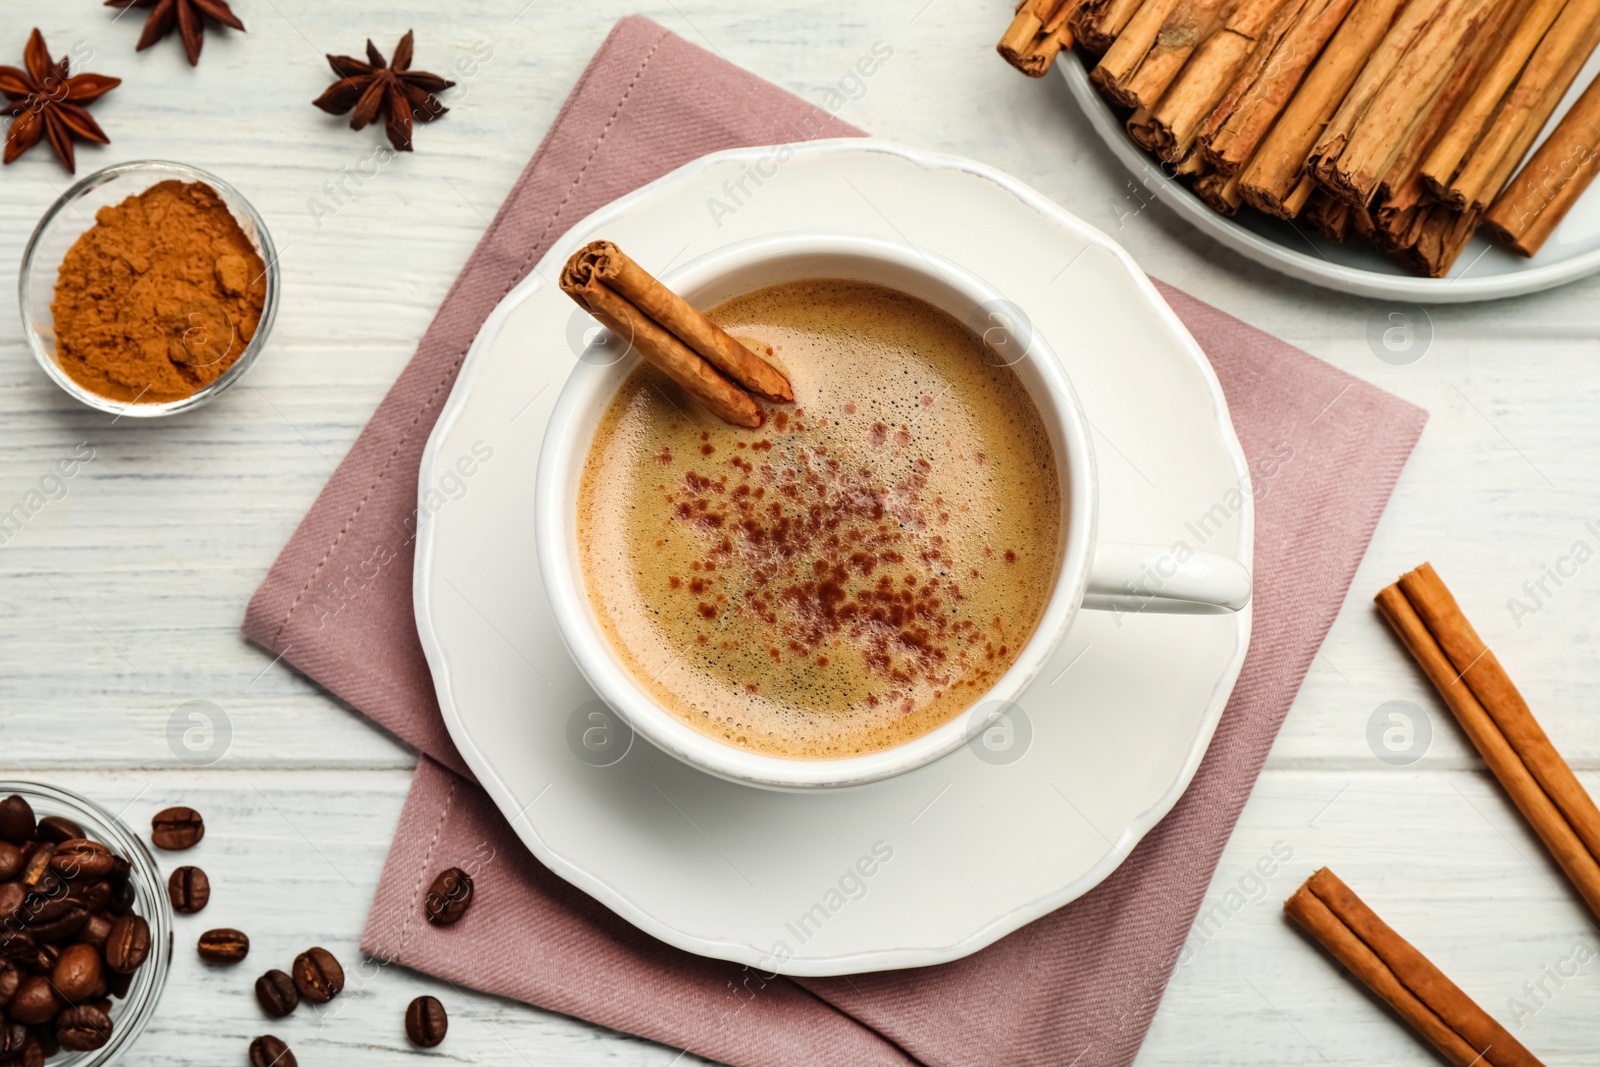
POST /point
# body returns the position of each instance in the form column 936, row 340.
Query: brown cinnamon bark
column 1492, row 1041
column 1232, row 146
column 1445, row 157
column 1552, row 828
column 1142, row 63
column 1205, row 81
column 1272, row 180
column 1037, row 34
column 1220, row 192
column 1551, row 70
column 1097, row 23
column 1539, row 197
column 1328, row 215
column 1312, row 915
column 1400, row 104
column 598, row 275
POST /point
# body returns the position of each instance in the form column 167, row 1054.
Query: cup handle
column 1132, row 578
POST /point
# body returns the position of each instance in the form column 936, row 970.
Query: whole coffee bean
column 12, row 896
column 268, row 1051
column 77, row 973
column 16, row 820
column 96, row 896
column 13, row 1038
column 223, row 946
column 33, row 1053
column 128, row 944
column 43, row 960
column 80, row 858
column 35, row 875
column 95, row 932
column 189, row 890
column 10, row 861
column 176, row 829
column 84, row 1028
column 317, row 975
column 65, row 926
column 449, row 897
column 56, row 829
column 35, row 1002
column 426, row 1022
column 10, row 979
column 276, row 994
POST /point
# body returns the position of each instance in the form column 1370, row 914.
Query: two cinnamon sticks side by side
column 723, row 375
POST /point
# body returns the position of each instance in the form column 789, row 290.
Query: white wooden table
column 122, row 601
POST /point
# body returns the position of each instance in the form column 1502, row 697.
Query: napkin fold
column 1078, row 986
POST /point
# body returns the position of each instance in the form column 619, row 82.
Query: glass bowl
column 73, row 214
column 130, row 1014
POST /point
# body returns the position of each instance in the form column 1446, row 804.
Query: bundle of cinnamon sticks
column 1499, row 724
column 1398, row 121
column 1402, row 977
column 721, row 374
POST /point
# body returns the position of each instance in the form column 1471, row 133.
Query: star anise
column 390, row 90
column 44, row 102
column 187, row 15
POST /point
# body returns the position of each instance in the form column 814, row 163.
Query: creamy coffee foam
column 851, row 575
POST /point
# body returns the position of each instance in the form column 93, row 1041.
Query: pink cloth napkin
column 1076, row 987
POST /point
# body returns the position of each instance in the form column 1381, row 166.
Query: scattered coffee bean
column 128, row 944
column 426, row 1022
column 35, row 1002
column 10, row 861
column 223, row 946
column 268, row 1051
column 16, row 821
column 449, row 897
column 189, row 890
column 56, row 829
column 176, row 829
column 78, row 973
column 77, row 858
column 276, row 994
column 84, row 1028
column 317, row 975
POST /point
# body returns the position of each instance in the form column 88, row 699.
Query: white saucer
column 1484, row 271
column 964, row 851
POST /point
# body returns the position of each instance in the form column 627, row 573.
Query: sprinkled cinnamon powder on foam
column 159, row 297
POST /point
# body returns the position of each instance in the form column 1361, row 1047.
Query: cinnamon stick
column 1220, row 192
column 1037, row 34
column 1514, row 776
column 661, row 326
column 1553, row 68
column 1406, row 979
column 1489, row 682
column 1212, row 71
column 1398, row 106
column 604, row 263
column 1445, row 157
column 1539, row 197
column 1097, row 23
column 1142, row 63
column 1232, row 146
column 1272, row 180
column 1328, row 215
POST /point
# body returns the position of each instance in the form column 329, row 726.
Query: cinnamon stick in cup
column 1402, row 977
column 679, row 339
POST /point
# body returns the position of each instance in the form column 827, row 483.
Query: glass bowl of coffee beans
column 85, row 930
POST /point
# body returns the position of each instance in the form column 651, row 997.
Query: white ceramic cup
column 1090, row 573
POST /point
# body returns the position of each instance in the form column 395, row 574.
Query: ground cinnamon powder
column 159, row 297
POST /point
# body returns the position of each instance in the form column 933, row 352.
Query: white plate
column 977, row 848
column 1484, row 271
